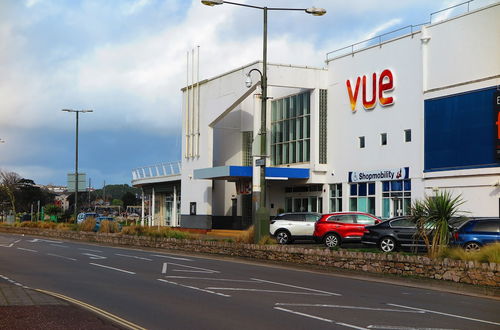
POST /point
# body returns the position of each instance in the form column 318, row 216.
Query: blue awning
column 238, row 172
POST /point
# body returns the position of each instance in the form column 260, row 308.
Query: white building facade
column 378, row 128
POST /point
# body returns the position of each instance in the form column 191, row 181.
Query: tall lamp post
column 77, row 112
column 261, row 216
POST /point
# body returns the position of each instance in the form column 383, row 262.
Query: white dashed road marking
column 298, row 287
column 83, row 249
column 130, row 256
column 446, row 314
column 113, row 268
column 30, row 250
column 93, row 256
column 194, row 288
column 62, row 257
column 192, row 269
column 319, row 318
column 270, row 291
column 211, row 279
column 351, row 307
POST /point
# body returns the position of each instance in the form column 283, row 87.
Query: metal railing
column 379, row 39
column 159, row 170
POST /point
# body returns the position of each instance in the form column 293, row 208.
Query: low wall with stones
column 420, row 266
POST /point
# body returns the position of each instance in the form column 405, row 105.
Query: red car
column 336, row 228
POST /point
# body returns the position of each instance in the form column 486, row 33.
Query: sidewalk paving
column 24, row 308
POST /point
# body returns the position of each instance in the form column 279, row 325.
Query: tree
column 129, row 199
column 8, row 184
column 52, row 209
column 432, row 216
column 116, row 202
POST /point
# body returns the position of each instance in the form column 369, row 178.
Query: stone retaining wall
column 420, row 266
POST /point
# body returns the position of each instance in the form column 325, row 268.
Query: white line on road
column 130, row 256
column 396, row 327
column 351, row 307
column 35, row 240
column 194, row 288
column 175, row 258
column 58, row 245
column 63, row 257
column 113, row 268
column 90, row 250
column 164, row 269
column 196, row 269
column 319, row 318
column 446, row 314
column 210, row 279
column 303, row 314
column 26, row 249
column 93, row 256
column 270, row 291
column 11, row 244
column 297, row 287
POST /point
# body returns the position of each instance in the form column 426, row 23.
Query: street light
column 261, row 216
column 77, row 112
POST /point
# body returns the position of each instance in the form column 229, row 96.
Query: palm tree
column 432, row 216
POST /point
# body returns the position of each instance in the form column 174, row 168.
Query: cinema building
column 388, row 121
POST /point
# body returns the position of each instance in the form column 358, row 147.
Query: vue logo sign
column 385, row 83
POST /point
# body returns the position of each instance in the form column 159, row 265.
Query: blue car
column 475, row 233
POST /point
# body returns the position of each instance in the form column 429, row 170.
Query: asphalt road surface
column 157, row 290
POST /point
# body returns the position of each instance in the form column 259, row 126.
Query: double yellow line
column 107, row 315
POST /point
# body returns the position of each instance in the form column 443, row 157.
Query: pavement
column 25, row 308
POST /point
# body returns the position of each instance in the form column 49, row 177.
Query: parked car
column 336, row 228
column 475, row 233
column 85, row 215
column 393, row 234
column 287, row 227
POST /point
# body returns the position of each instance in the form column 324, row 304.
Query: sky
column 126, row 60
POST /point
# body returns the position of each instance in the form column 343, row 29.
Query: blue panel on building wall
column 459, row 131
column 286, row 172
column 240, row 171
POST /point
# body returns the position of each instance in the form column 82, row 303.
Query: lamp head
column 212, row 2
column 248, row 81
column 316, row 11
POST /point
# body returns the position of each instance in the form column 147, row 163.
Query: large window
column 336, row 197
column 291, row 129
column 396, row 198
column 362, row 197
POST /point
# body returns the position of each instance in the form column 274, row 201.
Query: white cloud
column 135, row 6
column 31, row 3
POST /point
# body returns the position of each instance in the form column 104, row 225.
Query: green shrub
column 488, row 253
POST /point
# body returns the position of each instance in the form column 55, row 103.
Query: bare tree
column 8, row 183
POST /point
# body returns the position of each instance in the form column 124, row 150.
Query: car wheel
column 283, row 237
column 332, row 240
column 387, row 244
column 472, row 247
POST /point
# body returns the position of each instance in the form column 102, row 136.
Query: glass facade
column 362, row 197
column 336, row 197
column 396, row 198
column 291, row 129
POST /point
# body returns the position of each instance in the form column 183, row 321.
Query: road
column 159, row 290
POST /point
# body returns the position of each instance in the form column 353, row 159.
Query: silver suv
column 287, row 227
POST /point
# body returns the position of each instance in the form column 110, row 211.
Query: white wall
column 345, row 127
column 463, row 49
column 222, row 145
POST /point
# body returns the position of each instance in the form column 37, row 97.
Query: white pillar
column 174, row 221
column 142, row 207
column 152, row 214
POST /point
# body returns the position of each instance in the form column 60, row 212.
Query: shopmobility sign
column 401, row 173
column 385, row 84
